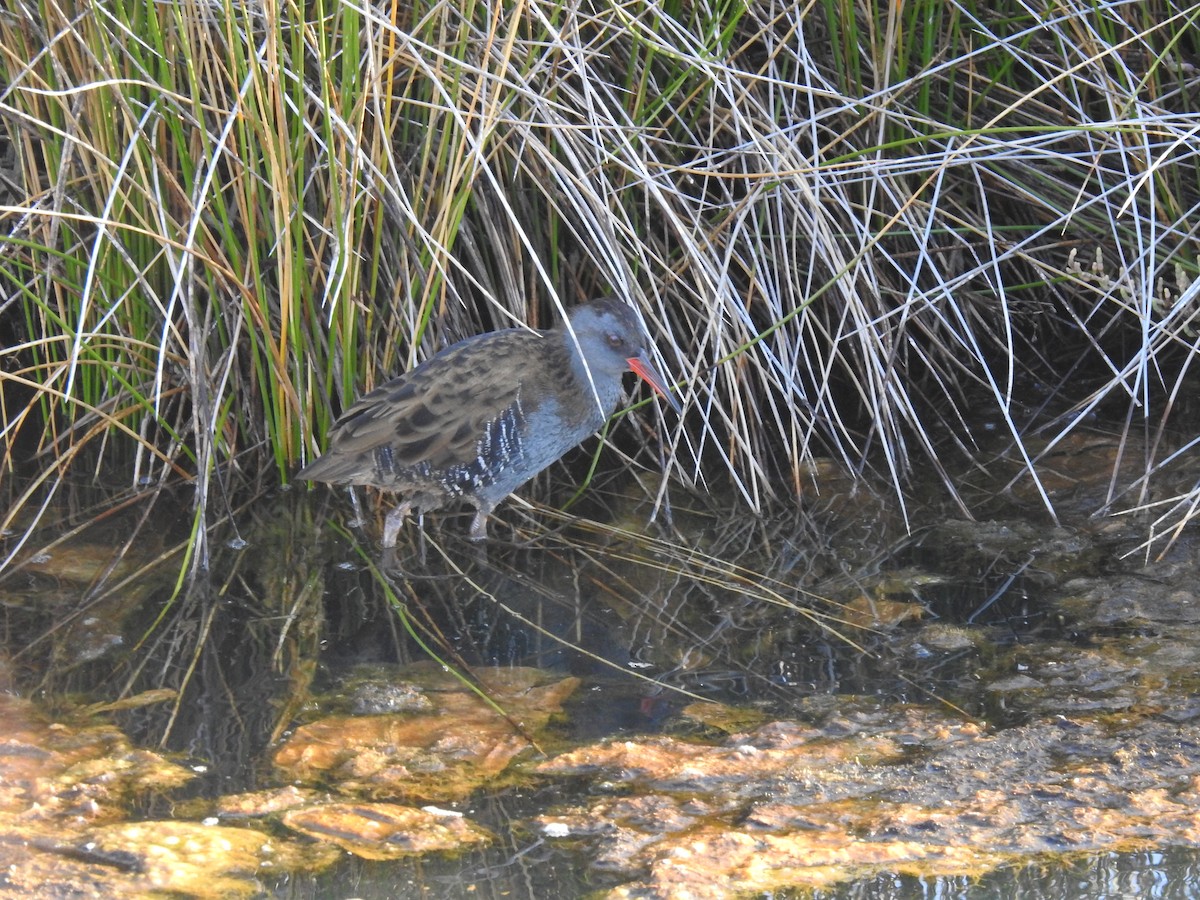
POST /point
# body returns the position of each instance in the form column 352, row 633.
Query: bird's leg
column 359, row 519
column 387, row 560
column 391, row 525
column 421, row 535
column 479, row 524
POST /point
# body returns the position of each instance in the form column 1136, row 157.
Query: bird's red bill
column 646, row 371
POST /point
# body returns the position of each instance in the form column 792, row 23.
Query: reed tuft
column 859, row 230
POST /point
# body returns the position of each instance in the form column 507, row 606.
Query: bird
column 481, row 417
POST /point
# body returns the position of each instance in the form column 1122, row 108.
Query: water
column 1030, row 657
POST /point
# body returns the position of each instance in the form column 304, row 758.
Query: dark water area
column 1019, row 695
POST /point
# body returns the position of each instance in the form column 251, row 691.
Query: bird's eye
column 615, row 340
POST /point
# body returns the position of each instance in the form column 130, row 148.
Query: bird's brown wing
column 432, row 419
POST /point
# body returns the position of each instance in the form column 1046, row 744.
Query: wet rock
column 386, row 830
column 949, row 638
column 1131, row 601
column 170, row 857
column 1014, row 683
column 264, row 803
column 461, row 742
column 725, row 718
column 60, row 773
column 876, row 614
column 373, row 698
column 64, row 789
column 787, row 806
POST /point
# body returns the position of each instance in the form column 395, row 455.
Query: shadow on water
column 838, row 621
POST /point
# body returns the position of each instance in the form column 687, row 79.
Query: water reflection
column 1171, row 874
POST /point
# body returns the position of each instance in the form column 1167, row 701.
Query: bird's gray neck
column 599, row 390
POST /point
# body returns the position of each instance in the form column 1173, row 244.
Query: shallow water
column 1060, row 672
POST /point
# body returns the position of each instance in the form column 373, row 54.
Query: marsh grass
column 854, row 229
